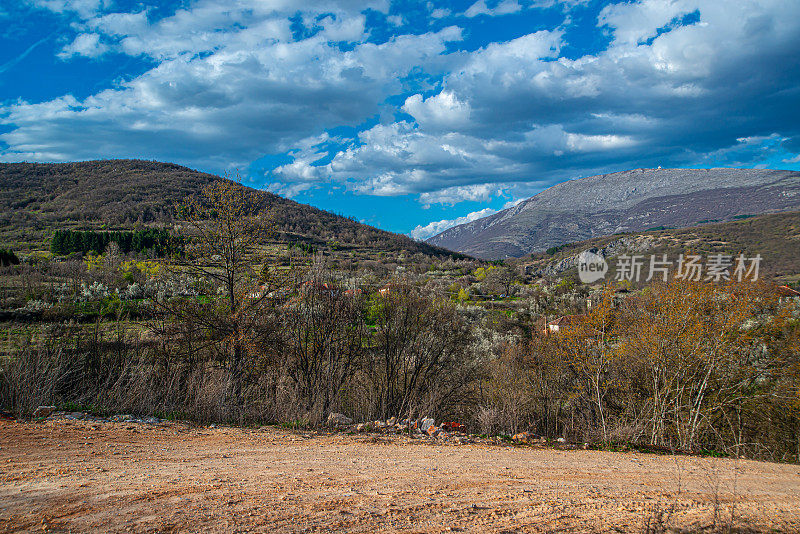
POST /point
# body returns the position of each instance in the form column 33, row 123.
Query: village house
column 385, row 290
column 787, row 294
column 565, row 322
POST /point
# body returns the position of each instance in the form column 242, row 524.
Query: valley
column 235, row 361
column 505, row 266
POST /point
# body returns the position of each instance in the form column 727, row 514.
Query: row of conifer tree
column 160, row 241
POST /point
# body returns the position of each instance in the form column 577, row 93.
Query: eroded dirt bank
column 117, row 477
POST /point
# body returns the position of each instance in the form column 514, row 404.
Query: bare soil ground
column 77, row 476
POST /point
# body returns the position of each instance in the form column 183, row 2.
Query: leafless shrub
column 34, row 376
column 490, row 420
column 420, row 345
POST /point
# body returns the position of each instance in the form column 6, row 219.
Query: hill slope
column 776, row 237
column 37, row 198
column 623, row 202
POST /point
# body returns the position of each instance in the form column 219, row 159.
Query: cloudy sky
column 410, row 116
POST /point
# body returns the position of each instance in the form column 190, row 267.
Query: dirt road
column 120, row 477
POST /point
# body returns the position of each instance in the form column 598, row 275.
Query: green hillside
column 36, row 199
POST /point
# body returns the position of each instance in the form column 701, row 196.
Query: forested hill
column 38, row 198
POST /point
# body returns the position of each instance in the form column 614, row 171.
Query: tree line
column 160, row 241
column 8, row 257
column 686, row 366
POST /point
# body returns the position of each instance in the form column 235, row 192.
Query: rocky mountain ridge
column 626, row 201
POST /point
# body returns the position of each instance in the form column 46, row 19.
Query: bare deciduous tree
column 224, row 228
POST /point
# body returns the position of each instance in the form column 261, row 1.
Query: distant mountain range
column 38, row 198
column 628, row 201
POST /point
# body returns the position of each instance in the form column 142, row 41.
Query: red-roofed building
column 787, row 293
column 563, row 323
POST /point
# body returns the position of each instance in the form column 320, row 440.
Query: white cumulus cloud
column 431, row 229
column 504, row 7
column 85, row 44
column 416, row 112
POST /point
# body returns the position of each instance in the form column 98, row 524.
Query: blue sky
column 410, row 116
